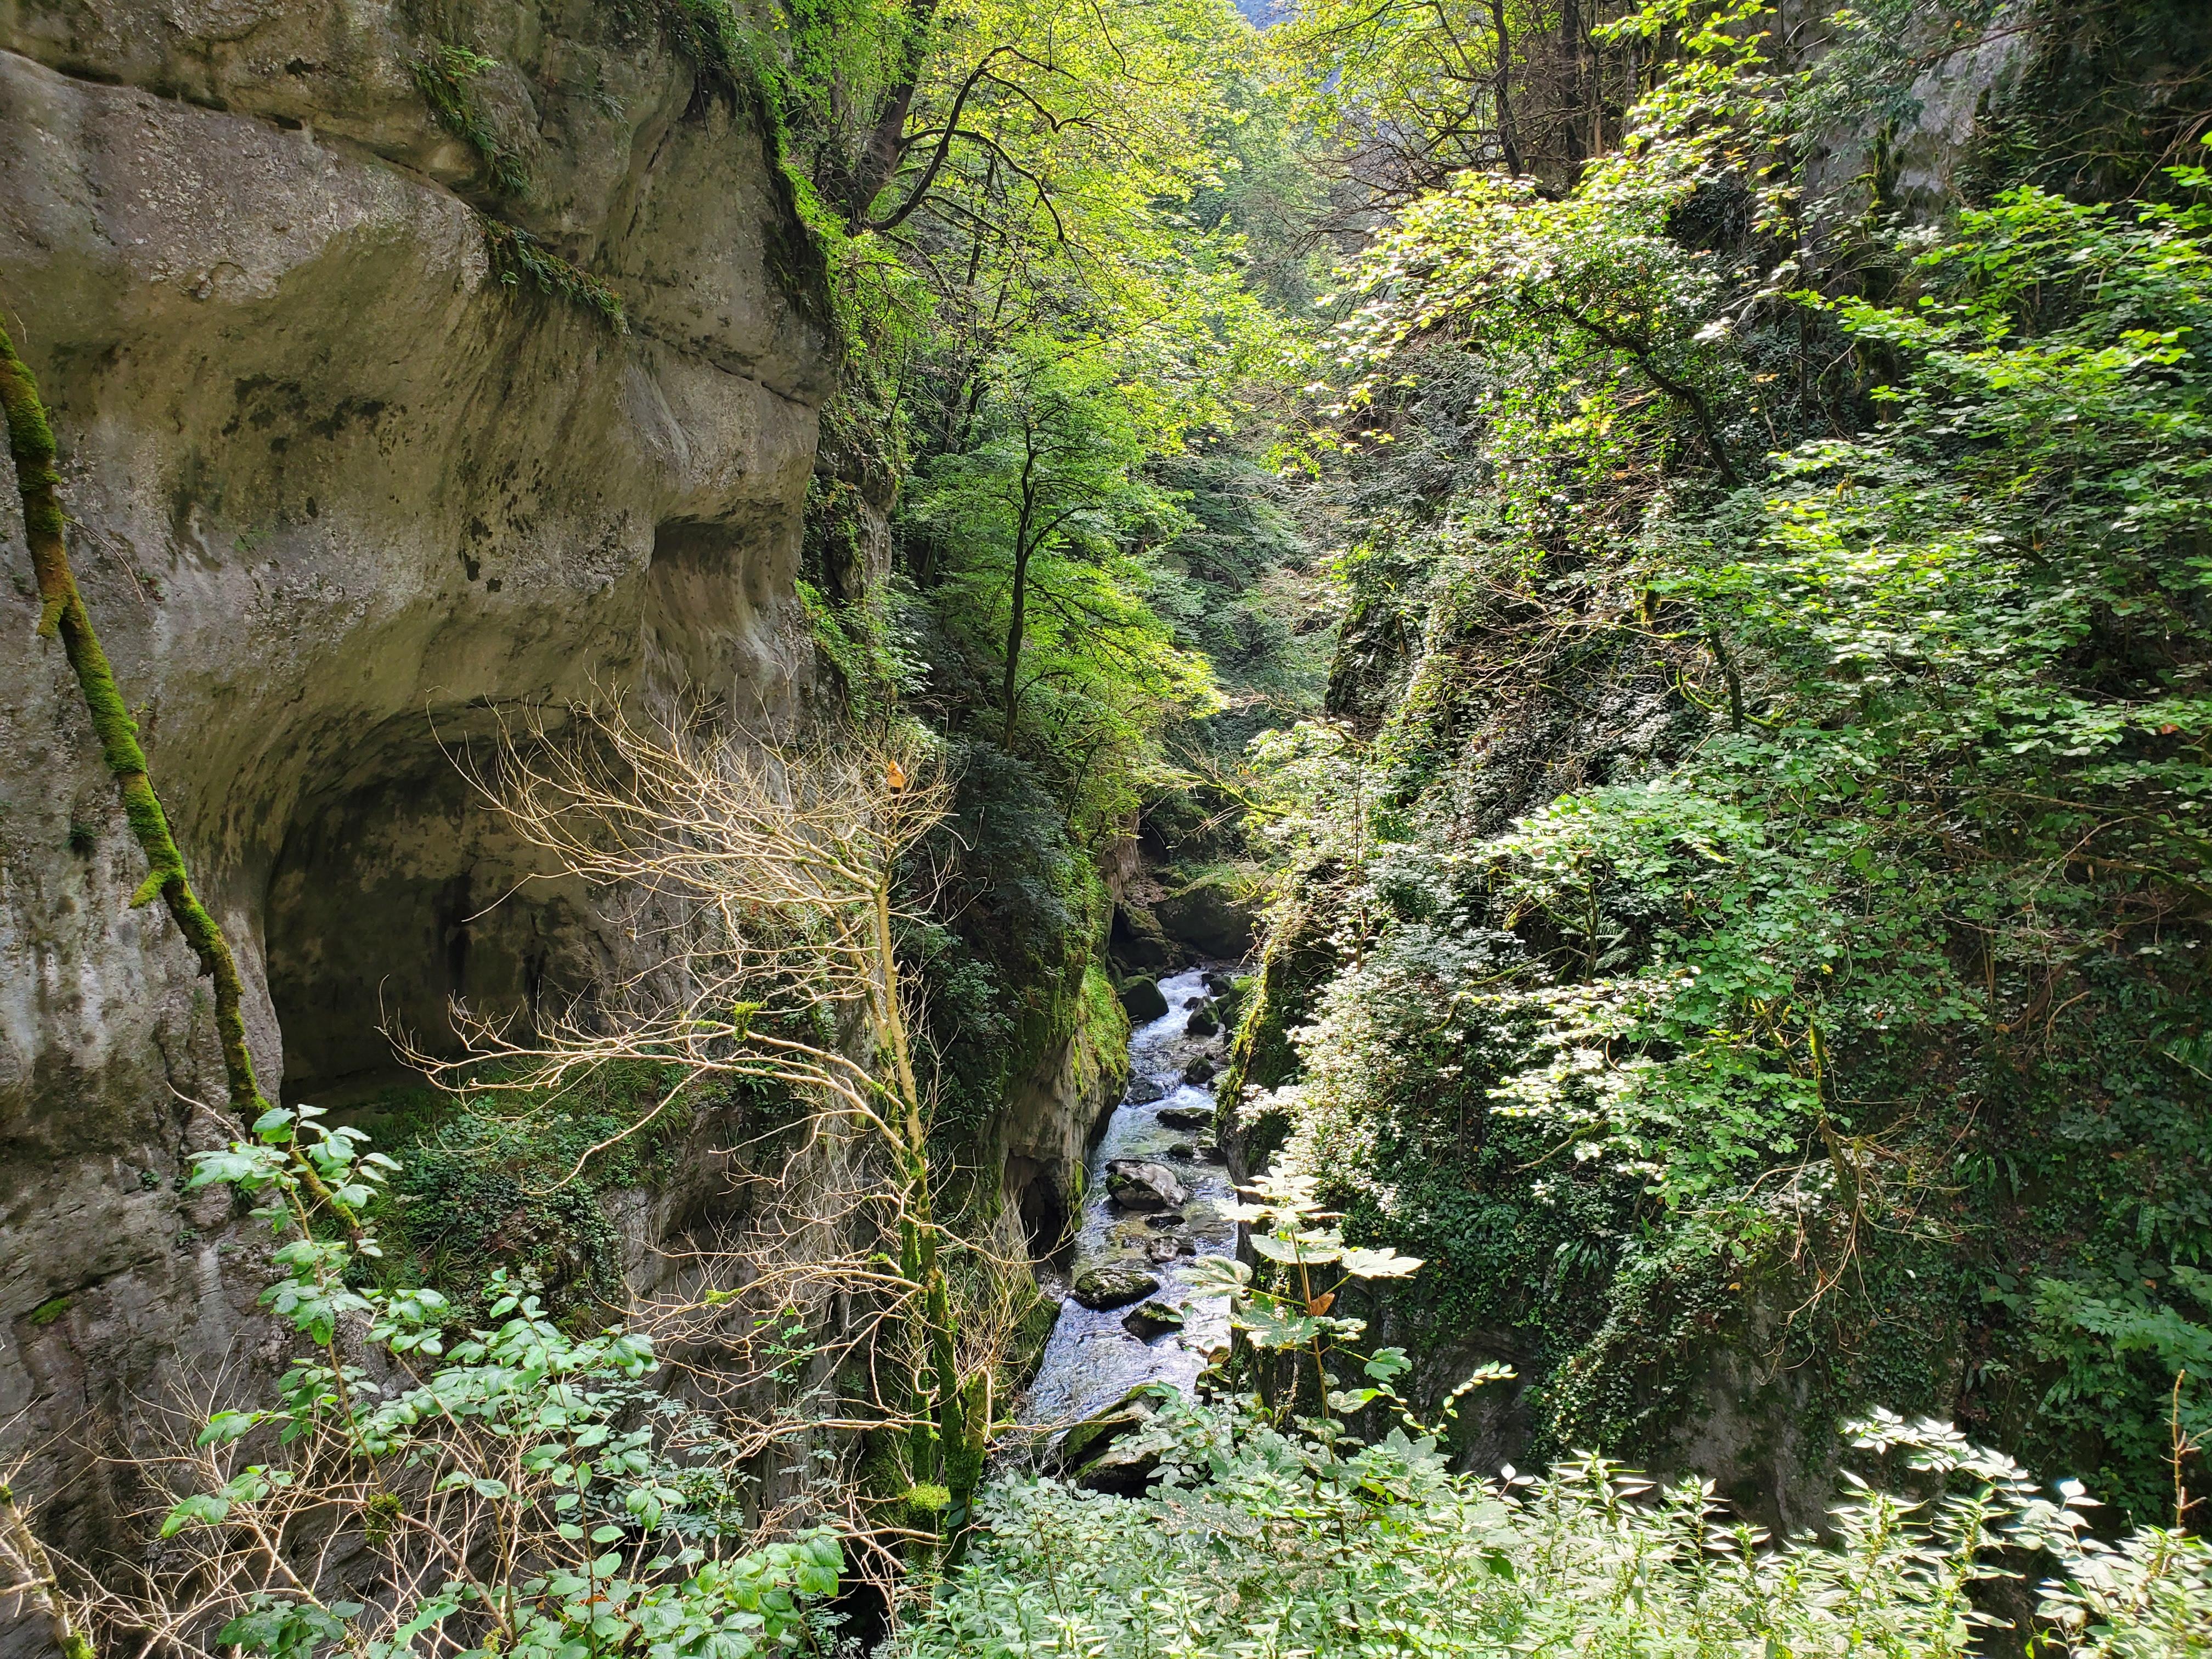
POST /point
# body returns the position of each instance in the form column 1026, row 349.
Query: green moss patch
column 500, row 1178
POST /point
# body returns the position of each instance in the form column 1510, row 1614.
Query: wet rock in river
column 1143, row 1091
column 1200, row 1070
column 1140, row 1184
column 1186, row 1117
column 1215, row 916
column 1142, row 999
column 1110, row 1284
column 1153, row 1319
column 1184, row 1151
column 1099, row 1453
column 1202, row 1023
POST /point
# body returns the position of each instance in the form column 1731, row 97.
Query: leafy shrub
column 518, row 1489
column 501, row 1178
column 1025, row 910
column 1263, row 1543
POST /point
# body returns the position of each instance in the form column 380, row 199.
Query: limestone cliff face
column 1040, row 1139
column 340, row 489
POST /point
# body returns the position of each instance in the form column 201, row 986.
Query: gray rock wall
column 338, row 491
column 1043, row 1134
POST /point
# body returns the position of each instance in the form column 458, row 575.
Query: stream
column 1093, row 1358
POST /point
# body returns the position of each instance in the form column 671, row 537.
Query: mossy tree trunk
column 62, row 613
column 21, row 1549
column 941, row 1427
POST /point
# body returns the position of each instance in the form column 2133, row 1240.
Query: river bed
column 1093, row 1358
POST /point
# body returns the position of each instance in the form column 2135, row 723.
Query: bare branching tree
column 767, row 889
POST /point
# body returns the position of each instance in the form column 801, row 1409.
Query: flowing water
column 1093, row 1358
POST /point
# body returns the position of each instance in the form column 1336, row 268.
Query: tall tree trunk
column 61, row 611
column 21, row 1547
column 930, row 1456
column 1019, row 617
column 1571, row 51
column 1509, row 146
column 880, row 157
column 1015, row 623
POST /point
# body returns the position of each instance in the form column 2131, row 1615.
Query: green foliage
column 1008, row 975
column 1239, row 586
column 518, row 259
column 1401, row 96
column 516, row 1434
column 1035, row 514
column 1048, row 296
column 710, row 35
column 2098, row 109
column 1595, row 286
column 1783, row 900
column 1256, row 1541
column 1287, row 1307
column 858, row 641
column 445, row 75
column 500, row 1181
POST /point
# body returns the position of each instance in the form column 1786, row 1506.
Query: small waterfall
column 1094, row 1357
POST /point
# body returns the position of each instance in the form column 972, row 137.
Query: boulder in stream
column 1140, row 1184
column 1109, row 1284
column 1201, row 1024
column 1186, row 1117
column 1200, row 1070
column 1143, row 1091
column 1154, row 1318
column 1104, row 1452
column 1141, row 999
column 1215, row 916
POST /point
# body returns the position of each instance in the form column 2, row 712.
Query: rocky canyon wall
column 345, row 478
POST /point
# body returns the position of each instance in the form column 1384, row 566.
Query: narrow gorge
column 1104, row 827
